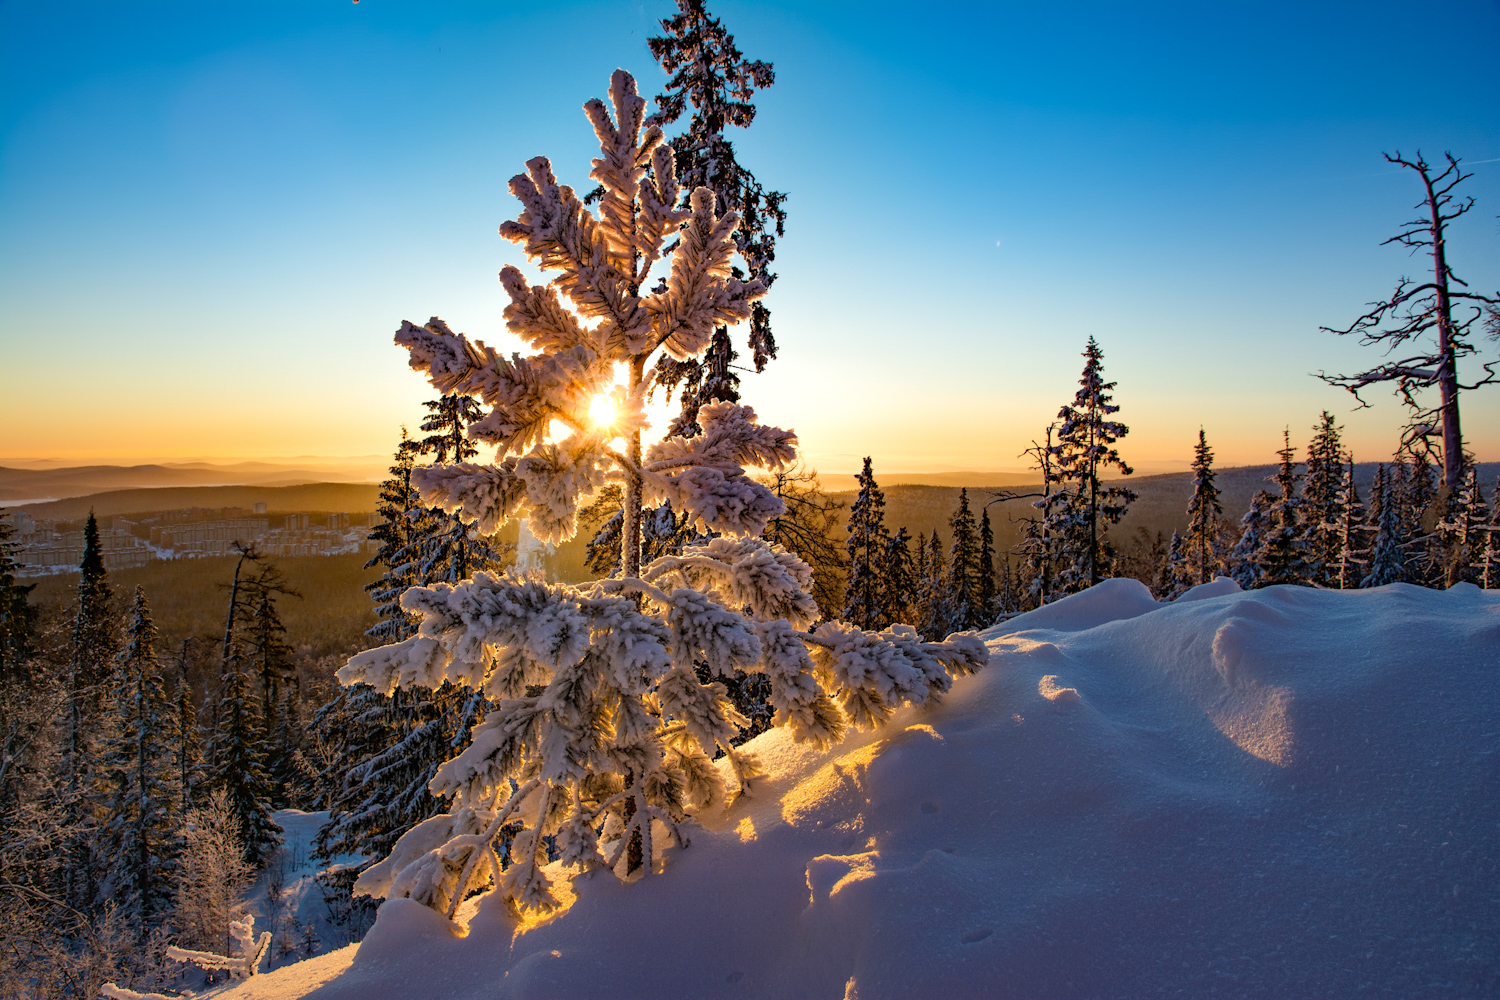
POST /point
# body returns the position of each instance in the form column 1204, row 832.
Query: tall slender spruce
column 140, row 772
column 1205, row 515
column 1082, row 511
column 863, row 605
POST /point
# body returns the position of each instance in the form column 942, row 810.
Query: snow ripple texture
column 1281, row 793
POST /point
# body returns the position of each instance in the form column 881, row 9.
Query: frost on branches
column 600, row 747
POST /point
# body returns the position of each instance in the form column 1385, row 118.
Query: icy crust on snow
column 1287, row 792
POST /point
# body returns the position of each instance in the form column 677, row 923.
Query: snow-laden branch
column 244, row 963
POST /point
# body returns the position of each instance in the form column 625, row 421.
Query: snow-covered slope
column 1283, row 793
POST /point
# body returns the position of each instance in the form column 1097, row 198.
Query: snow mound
column 1219, row 586
column 1287, row 792
column 1110, row 601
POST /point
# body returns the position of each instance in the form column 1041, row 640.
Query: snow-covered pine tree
column 934, row 604
column 1460, row 530
column 139, row 769
column 1419, row 514
column 1176, row 571
column 965, row 608
column 900, row 577
column 1081, row 512
column 709, row 74
column 1245, row 560
column 866, row 547
column 1489, row 571
column 17, row 616
column 1320, row 508
column 1353, row 543
column 1283, row 555
column 987, row 586
column 602, row 728
column 1387, row 555
column 1205, row 516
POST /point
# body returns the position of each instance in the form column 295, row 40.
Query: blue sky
column 212, row 216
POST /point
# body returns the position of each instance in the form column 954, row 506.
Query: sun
column 603, row 412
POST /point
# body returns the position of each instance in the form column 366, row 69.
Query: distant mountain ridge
column 74, row 481
column 330, row 497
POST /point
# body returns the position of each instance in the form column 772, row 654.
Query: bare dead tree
column 1036, row 546
column 1441, row 306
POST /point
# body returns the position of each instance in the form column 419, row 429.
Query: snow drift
column 1287, row 792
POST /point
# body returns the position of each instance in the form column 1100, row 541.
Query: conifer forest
column 620, row 697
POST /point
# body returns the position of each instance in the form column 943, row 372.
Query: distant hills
column 346, row 497
column 42, row 482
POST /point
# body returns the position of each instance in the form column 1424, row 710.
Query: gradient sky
column 213, row 216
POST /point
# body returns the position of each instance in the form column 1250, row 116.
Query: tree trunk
column 1453, row 441
column 630, row 529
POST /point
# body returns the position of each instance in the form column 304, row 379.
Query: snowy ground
column 1284, row 793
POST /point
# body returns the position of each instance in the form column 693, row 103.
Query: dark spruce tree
column 1205, row 516
column 1353, row 540
column 239, row 752
column 964, row 607
column 988, row 589
column 265, row 642
column 866, row 550
column 187, row 744
column 1284, row 551
column 394, row 532
column 1081, row 512
column 94, row 647
column 1321, row 506
column 446, row 548
column 934, row 601
column 388, row 747
column 900, row 579
column 17, row 616
column 709, row 75
column 140, row 834
column 239, row 758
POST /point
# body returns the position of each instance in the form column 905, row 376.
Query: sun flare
column 603, row 412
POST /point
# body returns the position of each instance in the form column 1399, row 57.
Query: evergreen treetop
column 709, row 74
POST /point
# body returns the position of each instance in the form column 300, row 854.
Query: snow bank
column 1287, row 792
